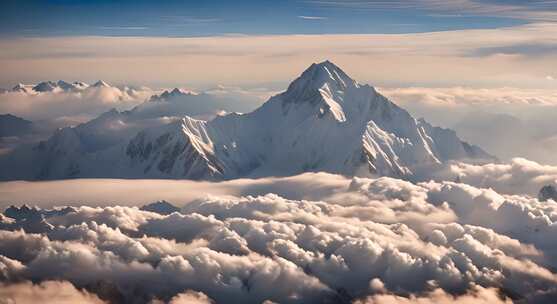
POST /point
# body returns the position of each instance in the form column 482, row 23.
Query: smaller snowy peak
column 31, row 219
column 26, row 212
column 177, row 91
column 66, row 86
column 161, row 207
column 100, row 84
column 169, row 95
column 20, row 87
column 23, row 212
column 45, row 86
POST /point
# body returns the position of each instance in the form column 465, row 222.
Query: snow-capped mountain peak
column 161, row 207
column 332, row 92
column 66, row 86
column 324, row 121
column 101, row 83
column 45, row 86
column 167, row 95
column 20, row 87
column 177, row 91
column 52, row 86
column 320, row 74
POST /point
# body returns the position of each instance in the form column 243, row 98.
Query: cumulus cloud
column 519, row 176
column 359, row 240
column 46, row 292
column 454, row 97
column 478, row 295
column 74, row 105
column 191, row 297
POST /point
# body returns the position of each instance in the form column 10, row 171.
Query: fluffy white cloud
column 477, row 295
column 75, row 105
column 46, row 292
column 106, row 192
column 69, row 106
column 519, row 176
column 191, row 297
column 362, row 240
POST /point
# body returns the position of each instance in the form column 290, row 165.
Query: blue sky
column 205, row 18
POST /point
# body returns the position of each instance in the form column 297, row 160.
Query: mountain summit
column 324, row 121
column 323, row 84
column 319, row 75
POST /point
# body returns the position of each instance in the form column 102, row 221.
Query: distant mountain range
column 324, row 121
column 52, row 86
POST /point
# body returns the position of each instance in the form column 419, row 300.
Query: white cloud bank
column 87, row 103
column 520, row 56
column 71, row 105
column 332, row 240
column 519, row 176
column 60, row 292
column 477, row 295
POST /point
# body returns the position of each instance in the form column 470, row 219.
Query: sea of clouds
column 311, row 238
column 464, row 233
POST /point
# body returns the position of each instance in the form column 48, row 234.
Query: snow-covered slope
column 324, row 121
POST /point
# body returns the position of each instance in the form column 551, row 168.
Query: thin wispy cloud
column 189, row 20
column 312, row 17
column 131, row 28
column 538, row 10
